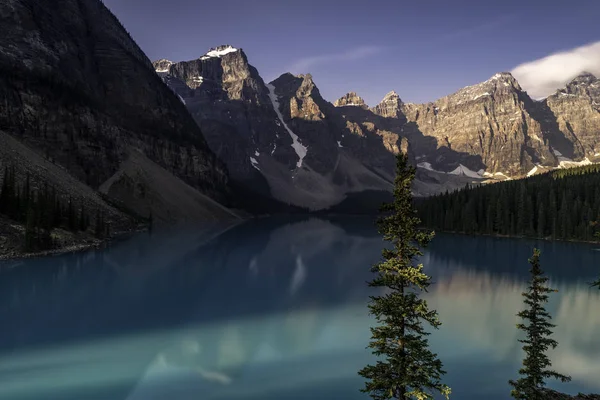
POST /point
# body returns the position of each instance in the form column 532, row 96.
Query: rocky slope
column 75, row 87
column 79, row 99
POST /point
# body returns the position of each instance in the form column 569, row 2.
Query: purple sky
column 422, row 49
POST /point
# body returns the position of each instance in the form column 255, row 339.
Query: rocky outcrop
column 75, row 88
column 390, row 106
column 350, row 99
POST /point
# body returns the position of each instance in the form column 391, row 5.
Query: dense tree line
column 42, row 210
column 563, row 204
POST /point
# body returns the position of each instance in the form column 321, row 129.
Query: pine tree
column 409, row 369
column 82, row 219
column 30, row 236
column 597, row 283
column 536, row 363
column 99, row 225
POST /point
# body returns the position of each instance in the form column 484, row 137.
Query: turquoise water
column 274, row 309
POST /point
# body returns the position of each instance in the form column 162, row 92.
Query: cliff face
column 577, row 112
column 77, row 89
column 506, row 132
column 491, row 126
column 232, row 105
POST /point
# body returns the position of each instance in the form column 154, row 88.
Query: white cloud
column 542, row 77
column 302, row 65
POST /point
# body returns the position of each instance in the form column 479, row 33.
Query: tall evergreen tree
column 536, row 364
column 406, row 368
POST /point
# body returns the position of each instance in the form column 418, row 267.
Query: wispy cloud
column 304, row 64
column 473, row 30
column 541, row 78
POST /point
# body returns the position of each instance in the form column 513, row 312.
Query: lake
column 274, row 309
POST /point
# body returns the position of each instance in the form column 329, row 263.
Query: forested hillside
column 563, row 204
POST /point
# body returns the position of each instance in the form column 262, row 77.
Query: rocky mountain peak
column 162, row 65
column 350, row 99
column 391, row 95
column 499, row 85
column 301, row 86
column 584, row 78
column 584, row 84
column 581, row 81
column 390, row 106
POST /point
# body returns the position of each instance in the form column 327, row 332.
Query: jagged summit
column 584, row 78
column 498, row 84
column 219, row 51
column 350, row 99
column 502, row 76
column 389, row 106
column 162, row 65
column 391, row 94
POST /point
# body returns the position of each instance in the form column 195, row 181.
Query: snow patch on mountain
column 533, row 171
column 299, row 148
column 254, row 163
column 567, row 163
column 462, row 170
column 426, row 165
column 481, row 95
column 219, row 52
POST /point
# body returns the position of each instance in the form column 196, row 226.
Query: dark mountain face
column 76, row 88
column 577, row 112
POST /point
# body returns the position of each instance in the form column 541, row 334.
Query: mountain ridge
column 489, row 131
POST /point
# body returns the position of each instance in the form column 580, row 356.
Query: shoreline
column 17, row 255
column 597, row 242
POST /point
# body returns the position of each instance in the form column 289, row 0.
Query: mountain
column 504, row 131
column 83, row 110
column 283, row 140
column 577, row 111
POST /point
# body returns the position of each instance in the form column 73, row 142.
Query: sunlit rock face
column 577, row 109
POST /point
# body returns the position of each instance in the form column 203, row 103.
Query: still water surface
column 274, row 309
